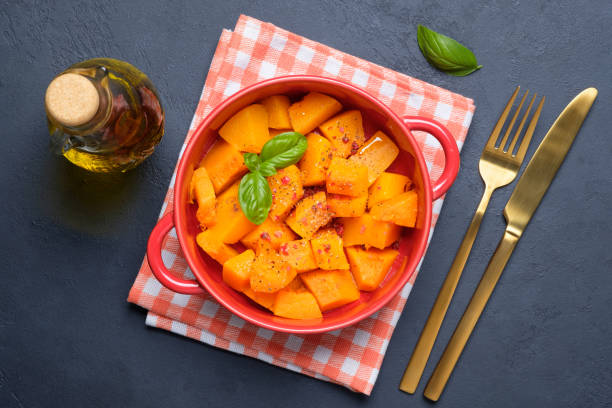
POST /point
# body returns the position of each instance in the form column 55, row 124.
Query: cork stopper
column 72, row 99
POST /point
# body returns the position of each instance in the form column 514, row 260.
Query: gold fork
column 498, row 167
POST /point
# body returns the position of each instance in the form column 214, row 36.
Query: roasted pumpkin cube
column 309, row 215
column 247, row 130
column 366, row 231
column 386, row 186
column 377, row 154
column 296, row 304
column 315, row 162
column 345, row 132
column 264, row 299
column 331, row 288
column 370, row 266
column 311, row 111
column 347, row 178
column 224, row 165
column 214, row 247
column 401, row 209
column 299, row 255
column 328, row 250
column 237, row 270
column 277, row 107
column 270, row 273
column 286, row 187
column 231, row 223
column 204, row 194
column 346, row 206
column 273, row 232
column 276, row 132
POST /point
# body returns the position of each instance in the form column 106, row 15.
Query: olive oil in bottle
column 104, row 115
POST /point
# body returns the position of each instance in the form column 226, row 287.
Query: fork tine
column 501, row 120
column 502, row 144
column 527, row 138
column 520, row 127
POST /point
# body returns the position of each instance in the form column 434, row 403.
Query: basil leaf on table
column 255, row 197
column 445, row 53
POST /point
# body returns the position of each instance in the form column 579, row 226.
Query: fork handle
column 466, row 325
column 421, row 352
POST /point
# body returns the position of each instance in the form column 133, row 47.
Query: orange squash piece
column 401, row 209
column 276, row 132
column 286, row 187
column 328, row 250
column 224, row 165
column 237, row 270
column 366, row 231
column 212, row 245
column 204, row 194
column 273, row 232
column 264, row 299
column 231, row 223
column 387, row 186
column 346, row 206
column 370, row 266
column 299, row 255
column 277, row 107
column 247, row 130
column 347, row 178
column 309, row 215
column 377, row 154
column 315, row 162
column 331, row 288
column 311, row 111
column 296, row 304
column 270, row 272
column 345, row 132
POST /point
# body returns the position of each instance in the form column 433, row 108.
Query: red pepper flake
column 354, row 148
column 327, row 247
column 285, row 180
column 265, row 236
column 319, row 250
column 395, row 245
column 294, row 196
column 362, row 229
column 339, row 229
column 320, row 205
column 341, row 129
column 294, row 246
column 288, row 268
column 283, row 249
column 278, row 234
column 330, row 155
column 303, row 220
column 345, row 139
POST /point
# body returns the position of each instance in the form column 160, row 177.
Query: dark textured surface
column 72, row 242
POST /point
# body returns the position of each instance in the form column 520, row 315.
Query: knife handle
column 462, row 333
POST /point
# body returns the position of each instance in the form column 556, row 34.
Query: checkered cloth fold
column 351, row 356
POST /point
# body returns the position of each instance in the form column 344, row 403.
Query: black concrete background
column 72, row 242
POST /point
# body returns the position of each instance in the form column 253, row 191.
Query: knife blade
column 521, row 206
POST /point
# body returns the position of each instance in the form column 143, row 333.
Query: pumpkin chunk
column 224, row 165
column 377, row 154
column 386, row 186
column 273, row 232
column 347, row 178
column 346, row 206
column 212, row 245
column 296, row 304
column 366, row 231
column 286, row 187
column 328, row 250
column 204, row 194
column 315, row 162
column 309, row 215
column 270, row 272
column 247, row 130
column 277, row 107
column 401, row 210
column 345, row 132
column 299, row 255
column 231, row 223
column 311, row 111
column 237, row 270
column 331, row 288
column 370, row 266
column 264, row 299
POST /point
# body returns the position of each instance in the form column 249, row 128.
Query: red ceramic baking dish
column 377, row 116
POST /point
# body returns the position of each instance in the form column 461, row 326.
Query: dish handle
column 163, row 275
column 449, row 146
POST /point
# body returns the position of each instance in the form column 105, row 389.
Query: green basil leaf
column 284, row 150
column 267, row 169
column 252, row 161
column 255, row 197
column 445, row 53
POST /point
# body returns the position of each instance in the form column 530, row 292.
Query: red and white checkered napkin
column 352, row 356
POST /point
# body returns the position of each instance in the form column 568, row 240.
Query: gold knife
column 523, row 202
